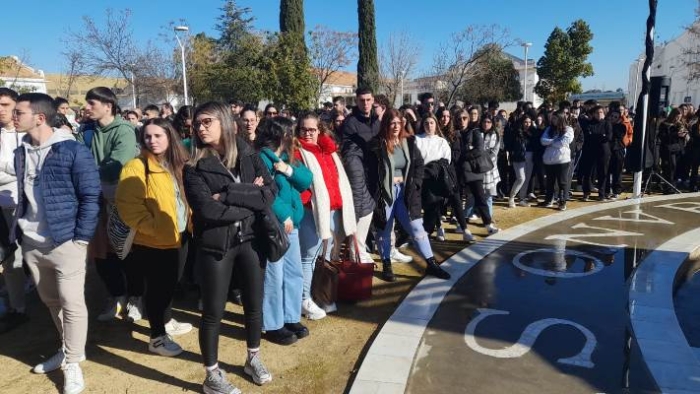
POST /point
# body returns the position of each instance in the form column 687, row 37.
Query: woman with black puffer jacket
column 516, row 145
column 596, row 152
column 226, row 185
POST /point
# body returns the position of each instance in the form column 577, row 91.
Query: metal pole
column 526, row 45
column 636, row 83
column 133, row 88
column 184, row 69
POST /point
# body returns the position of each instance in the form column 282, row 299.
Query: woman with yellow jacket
column 150, row 199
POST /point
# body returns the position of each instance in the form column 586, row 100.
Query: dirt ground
column 118, row 360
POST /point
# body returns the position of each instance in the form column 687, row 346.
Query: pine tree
column 292, row 16
column 367, row 65
column 564, row 61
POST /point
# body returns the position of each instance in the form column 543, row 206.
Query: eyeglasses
column 17, row 114
column 206, row 122
column 308, row 130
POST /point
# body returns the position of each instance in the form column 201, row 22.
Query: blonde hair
column 229, row 129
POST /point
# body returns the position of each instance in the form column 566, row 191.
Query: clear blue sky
column 37, row 29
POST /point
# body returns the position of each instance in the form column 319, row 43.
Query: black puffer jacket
column 470, row 146
column 413, row 183
column 358, row 130
column 219, row 225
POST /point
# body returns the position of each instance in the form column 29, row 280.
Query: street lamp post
column 527, row 46
column 182, row 51
column 133, row 85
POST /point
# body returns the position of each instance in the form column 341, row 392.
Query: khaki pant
column 59, row 274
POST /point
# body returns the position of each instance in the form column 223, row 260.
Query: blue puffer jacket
column 70, row 190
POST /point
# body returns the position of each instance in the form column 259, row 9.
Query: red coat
column 323, row 151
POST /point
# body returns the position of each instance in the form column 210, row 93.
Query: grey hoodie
column 33, row 224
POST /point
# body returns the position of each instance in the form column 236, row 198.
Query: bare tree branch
column 454, row 62
column 330, row 51
column 398, row 59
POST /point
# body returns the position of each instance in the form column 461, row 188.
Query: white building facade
column 670, row 60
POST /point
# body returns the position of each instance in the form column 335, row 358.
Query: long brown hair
column 229, row 129
column 438, row 130
column 174, row 158
column 385, row 132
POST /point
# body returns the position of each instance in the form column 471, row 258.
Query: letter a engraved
column 528, row 338
column 603, row 232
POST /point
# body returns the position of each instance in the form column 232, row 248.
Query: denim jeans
column 398, row 210
column 519, row 168
column 489, row 202
column 284, row 281
column 310, row 242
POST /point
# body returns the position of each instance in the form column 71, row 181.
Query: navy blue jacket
column 70, row 192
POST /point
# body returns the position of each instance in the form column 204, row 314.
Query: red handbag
column 354, row 277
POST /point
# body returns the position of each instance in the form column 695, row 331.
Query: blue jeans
column 283, row 286
column 398, row 210
column 310, row 242
column 489, row 203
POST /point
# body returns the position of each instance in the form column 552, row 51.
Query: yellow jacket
column 152, row 209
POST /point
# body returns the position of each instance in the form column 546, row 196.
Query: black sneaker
column 298, row 329
column 282, row 336
column 12, row 320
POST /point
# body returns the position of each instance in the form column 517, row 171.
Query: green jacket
column 287, row 204
column 111, row 146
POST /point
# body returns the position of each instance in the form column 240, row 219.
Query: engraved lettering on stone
column 637, row 213
column 529, row 336
column 604, row 232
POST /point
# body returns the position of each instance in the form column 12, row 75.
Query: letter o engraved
column 528, row 338
column 562, row 254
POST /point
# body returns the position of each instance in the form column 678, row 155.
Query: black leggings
column 160, row 268
column 216, row 277
column 476, row 189
column 120, row 277
column 558, row 173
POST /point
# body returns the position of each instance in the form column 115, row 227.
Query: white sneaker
column 73, row 382
column 114, row 308
column 55, row 362
column 174, row 327
column 467, row 236
column 398, row 257
column 330, row 308
column 165, row 346
column 492, row 229
column 311, row 310
column 134, row 309
column 473, row 218
column 440, row 234
column 524, row 203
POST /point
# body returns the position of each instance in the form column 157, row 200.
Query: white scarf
column 321, row 201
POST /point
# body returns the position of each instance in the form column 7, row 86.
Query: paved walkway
column 577, row 302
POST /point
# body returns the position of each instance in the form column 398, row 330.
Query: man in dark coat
column 358, row 129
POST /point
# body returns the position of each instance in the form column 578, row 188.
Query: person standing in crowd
column 150, row 199
column 427, row 105
column 340, row 105
column 434, row 149
column 617, row 158
column 167, row 111
column 557, row 156
column 183, row 125
column 537, row 177
column 492, row 145
column 672, row 136
column 396, row 185
column 470, row 146
column 112, row 142
column 329, row 211
column 359, row 128
column 284, row 279
column 596, row 152
column 249, row 121
column 694, row 151
column 380, row 105
column 151, row 112
column 517, row 144
column 271, row 111
column 13, row 273
column 336, row 125
column 133, row 118
column 226, row 185
column 57, row 209
column 236, row 108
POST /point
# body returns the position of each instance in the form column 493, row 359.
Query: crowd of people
column 193, row 184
